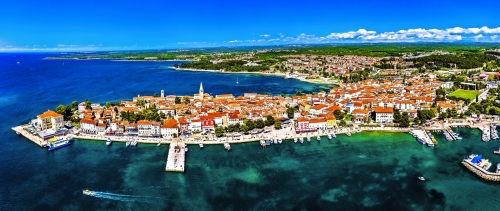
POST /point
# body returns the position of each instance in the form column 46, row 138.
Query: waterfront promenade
column 176, row 160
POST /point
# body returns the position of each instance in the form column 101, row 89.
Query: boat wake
column 126, row 198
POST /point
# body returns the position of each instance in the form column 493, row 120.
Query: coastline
column 314, row 81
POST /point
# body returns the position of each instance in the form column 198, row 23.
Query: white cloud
column 265, row 35
column 478, row 36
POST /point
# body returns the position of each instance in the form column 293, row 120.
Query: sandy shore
column 314, row 81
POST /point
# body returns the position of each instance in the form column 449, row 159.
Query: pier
column 33, row 138
column 176, row 160
column 481, row 172
column 422, row 134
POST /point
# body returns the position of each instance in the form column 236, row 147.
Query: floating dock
column 176, row 160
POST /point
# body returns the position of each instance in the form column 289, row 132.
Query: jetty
column 32, row 137
column 486, row 133
column 423, row 136
column 480, row 166
column 176, row 157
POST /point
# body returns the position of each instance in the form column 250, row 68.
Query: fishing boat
column 201, row 145
column 56, row 143
column 421, row 178
column 108, row 142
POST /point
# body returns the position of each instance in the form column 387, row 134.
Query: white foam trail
column 127, row 198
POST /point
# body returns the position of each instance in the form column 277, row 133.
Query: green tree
column 245, row 128
column 176, row 66
column 277, row 124
column 74, row 104
column 65, row 111
column 178, row 100
column 155, row 95
column 108, row 104
column 405, row 120
column 259, row 124
column 250, row 124
column 186, row 99
column 140, row 103
column 88, row 104
column 270, row 120
column 339, row 115
column 219, row 131
column 396, row 116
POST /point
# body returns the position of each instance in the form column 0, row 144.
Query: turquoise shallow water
column 325, row 175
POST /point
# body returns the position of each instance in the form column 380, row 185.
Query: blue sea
column 367, row 171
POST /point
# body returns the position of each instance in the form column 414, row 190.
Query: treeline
column 464, row 61
column 229, row 66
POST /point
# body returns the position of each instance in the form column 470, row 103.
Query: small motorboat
column 421, row 178
column 295, row 140
column 108, row 142
column 127, row 144
column 159, row 143
column 318, row 138
column 280, row 141
column 87, row 192
column 186, row 148
column 18, row 133
column 201, row 145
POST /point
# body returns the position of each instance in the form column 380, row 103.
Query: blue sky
column 150, row 24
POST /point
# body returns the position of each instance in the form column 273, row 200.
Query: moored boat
column 227, row 146
column 329, row 136
column 295, row 140
column 421, row 178
column 108, row 142
column 201, row 145
column 57, row 143
column 318, row 138
column 280, row 141
column 127, row 144
column 186, row 148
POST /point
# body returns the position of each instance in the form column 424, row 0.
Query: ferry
column 108, row 142
column 201, row 145
column 88, row 193
column 57, row 143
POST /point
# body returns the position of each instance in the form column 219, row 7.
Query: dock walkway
column 176, row 157
column 33, row 138
column 422, row 134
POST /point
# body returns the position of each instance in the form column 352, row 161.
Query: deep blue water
column 325, row 175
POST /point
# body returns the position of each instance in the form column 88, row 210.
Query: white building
column 50, row 120
column 169, row 129
column 144, row 127
column 384, row 115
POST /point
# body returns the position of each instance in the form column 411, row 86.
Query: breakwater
column 480, row 172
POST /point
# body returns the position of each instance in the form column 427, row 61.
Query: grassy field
column 466, row 94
